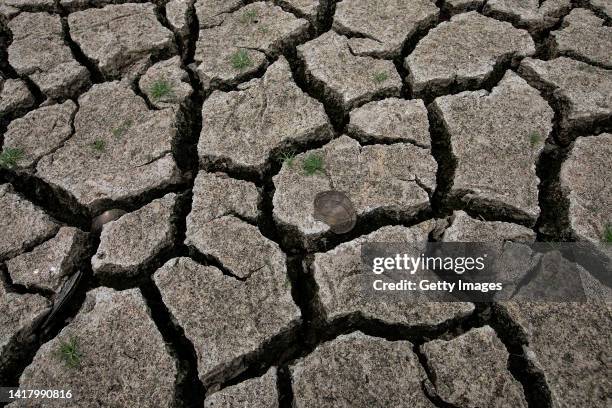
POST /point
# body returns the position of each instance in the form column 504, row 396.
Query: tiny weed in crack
column 98, row 145
column 160, row 88
column 380, row 77
column 121, row 130
column 240, row 60
column 69, row 353
column 288, row 158
column 607, row 236
column 249, row 16
column 312, row 164
column 534, row 138
column 10, row 157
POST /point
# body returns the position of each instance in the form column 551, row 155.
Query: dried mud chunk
column 365, row 372
column 120, row 38
column 19, row 317
column 602, row 6
column 453, row 7
column 245, row 128
column 212, row 12
column 40, row 132
column 584, row 92
column 496, row 138
column 464, row 52
column 228, row 320
column 239, row 246
column 390, row 179
column 343, row 78
column 570, row 343
column 535, row 15
column 585, row 37
column 237, row 47
column 31, row 5
column 391, row 120
column 15, row 97
column 216, row 195
column 23, row 225
column 177, row 15
column 383, row 27
column 585, row 176
column 166, row 84
column 49, row 265
column 76, row 5
column 341, row 283
column 118, row 356
column 471, row 371
column 312, row 9
column 119, row 151
column 467, row 229
column 129, row 243
column 38, row 51
column 260, row 392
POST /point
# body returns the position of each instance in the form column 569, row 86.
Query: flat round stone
column 391, row 179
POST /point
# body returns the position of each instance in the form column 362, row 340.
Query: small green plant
column 288, row 158
column 69, row 353
column 241, row 60
column 607, row 237
column 160, row 88
column 99, row 145
column 249, row 16
column 380, row 77
column 312, row 164
column 534, row 138
column 10, row 157
column 120, row 131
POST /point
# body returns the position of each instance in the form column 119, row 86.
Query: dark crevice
column 78, row 54
column 127, row 279
column 335, row 112
column 22, row 289
column 534, row 383
column 58, row 203
column 308, row 339
column 189, row 391
column 283, row 386
column 49, row 326
column 441, row 150
column 553, row 222
column 458, row 85
column 428, row 385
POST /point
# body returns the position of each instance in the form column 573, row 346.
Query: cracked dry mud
column 212, row 125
